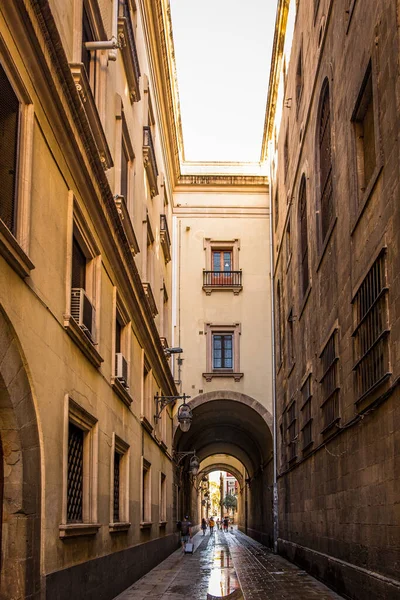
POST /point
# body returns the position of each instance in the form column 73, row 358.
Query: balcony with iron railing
column 164, row 238
column 129, row 53
column 222, row 280
column 149, row 160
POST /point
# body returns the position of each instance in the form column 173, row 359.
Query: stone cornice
column 63, row 108
column 276, row 64
column 158, row 26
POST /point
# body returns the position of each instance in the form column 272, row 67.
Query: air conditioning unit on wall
column 121, row 369
column 82, row 310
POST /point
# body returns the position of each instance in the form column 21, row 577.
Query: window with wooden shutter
column 9, row 137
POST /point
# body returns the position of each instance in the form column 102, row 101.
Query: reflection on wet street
column 223, row 579
column 227, row 566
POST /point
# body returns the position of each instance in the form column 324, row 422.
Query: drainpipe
column 274, row 415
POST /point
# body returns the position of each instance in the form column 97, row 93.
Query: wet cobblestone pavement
column 221, row 564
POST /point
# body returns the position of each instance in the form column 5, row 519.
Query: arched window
column 304, row 268
column 325, row 163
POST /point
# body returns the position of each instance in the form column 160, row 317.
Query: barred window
column 329, row 381
column 325, row 163
column 370, row 334
column 290, row 340
column 116, row 511
column 292, row 430
column 146, row 491
column 306, row 413
column 75, row 474
column 304, row 267
column 279, row 325
column 286, row 155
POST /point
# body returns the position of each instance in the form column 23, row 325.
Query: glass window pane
column 216, row 261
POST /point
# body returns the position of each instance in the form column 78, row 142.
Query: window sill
column 329, row 428
column 146, row 424
column 308, row 447
column 146, row 524
column 13, row 253
column 370, row 395
column 78, row 529
column 117, row 527
column 121, row 391
column 82, row 341
column 326, row 243
column 235, row 376
column 162, row 524
column 236, row 289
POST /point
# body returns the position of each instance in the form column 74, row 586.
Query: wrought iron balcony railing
column 221, row 279
column 164, row 238
column 149, row 160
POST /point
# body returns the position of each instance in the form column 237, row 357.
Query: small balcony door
column 221, row 267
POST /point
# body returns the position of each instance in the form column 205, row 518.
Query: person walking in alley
column 218, row 524
column 211, row 524
column 186, row 531
column 204, row 525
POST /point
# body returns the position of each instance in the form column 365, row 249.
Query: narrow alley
column 227, row 565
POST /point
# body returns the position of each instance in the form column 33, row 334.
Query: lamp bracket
column 178, row 456
column 163, row 401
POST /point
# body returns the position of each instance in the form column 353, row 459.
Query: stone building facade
column 332, row 131
column 85, row 301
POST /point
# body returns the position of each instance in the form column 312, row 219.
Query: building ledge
column 162, row 523
column 78, row 529
column 13, row 253
column 236, row 289
column 149, row 161
column 146, row 424
column 86, row 96
column 129, row 57
column 118, row 527
column 125, row 217
column 150, row 298
column 146, row 524
column 210, row 376
column 121, row 391
column 82, row 341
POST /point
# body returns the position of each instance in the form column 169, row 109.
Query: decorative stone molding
column 82, row 341
column 78, row 529
column 86, row 96
column 150, row 298
column 122, row 208
column 129, row 55
column 165, row 238
column 13, row 253
column 149, row 161
column 226, row 374
column 121, row 391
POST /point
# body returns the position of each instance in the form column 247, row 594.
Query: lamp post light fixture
column 185, row 414
column 194, row 464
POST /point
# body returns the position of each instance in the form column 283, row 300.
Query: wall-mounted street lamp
column 185, row 414
column 194, row 464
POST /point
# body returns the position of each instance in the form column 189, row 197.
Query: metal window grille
column 292, row 428
column 306, row 410
column 222, row 351
column 9, row 138
column 330, row 405
column 370, row 335
column 286, row 156
column 279, row 324
column 325, row 166
column 305, row 273
column 290, row 339
column 75, row 474
column 124, row 170
column 117, row 463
